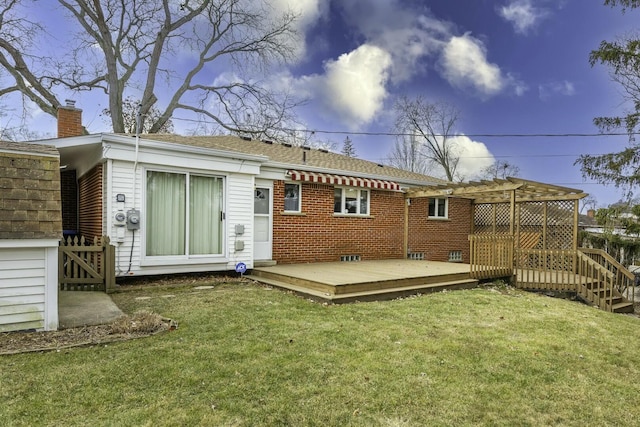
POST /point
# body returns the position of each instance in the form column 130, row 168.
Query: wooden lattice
column 538, row 224
column 486, row 215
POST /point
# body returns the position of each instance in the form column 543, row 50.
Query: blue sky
column 509, row 66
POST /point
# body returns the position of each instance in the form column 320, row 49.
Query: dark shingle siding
column 29, row 192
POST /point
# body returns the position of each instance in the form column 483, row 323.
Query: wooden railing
column 544, row 269
column 571, row 271
column 624, row 279
column 491, row 256
column 591, row 273
column 86, row 265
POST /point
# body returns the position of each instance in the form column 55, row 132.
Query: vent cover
column 416, row 255
column 349, row 258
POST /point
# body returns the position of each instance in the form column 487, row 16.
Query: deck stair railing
column 624, row 279
column 592, row 274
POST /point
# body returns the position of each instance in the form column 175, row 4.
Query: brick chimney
column 69, row 120
column 591, row 213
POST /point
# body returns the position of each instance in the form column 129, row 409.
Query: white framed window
column 439, row 208
column 292, row 198
column 350, row 201
column 184, row 214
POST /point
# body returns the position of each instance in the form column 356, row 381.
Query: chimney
column 591, row 213
column 69, row 120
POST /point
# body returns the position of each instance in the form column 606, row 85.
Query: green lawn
column 249, row 356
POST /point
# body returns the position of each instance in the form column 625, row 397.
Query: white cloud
column 464, row 64
column 354, row 86
column 522, row 15
column 308, row 13
column 409, row 35
column 474, row 157
column 563, row 88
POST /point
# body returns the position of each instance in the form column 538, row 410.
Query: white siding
column 26, row 288
column 238, row 210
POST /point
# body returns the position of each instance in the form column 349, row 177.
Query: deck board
column 344, row 281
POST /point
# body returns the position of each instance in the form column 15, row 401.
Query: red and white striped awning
column 347, row 181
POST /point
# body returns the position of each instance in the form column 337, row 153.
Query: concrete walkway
column 78, row 308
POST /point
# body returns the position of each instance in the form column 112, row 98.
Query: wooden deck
column 340, row 282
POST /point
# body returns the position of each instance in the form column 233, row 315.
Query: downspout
column 135, row 160
column 407, row 202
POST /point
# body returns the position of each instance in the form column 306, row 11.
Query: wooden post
column 109, row 266
column 545, row 222
column 407, row 201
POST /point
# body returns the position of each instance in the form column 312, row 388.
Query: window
column 183, row 214
column 438, row 208
column 455, row 256
column 292, row 197
column 351, row 201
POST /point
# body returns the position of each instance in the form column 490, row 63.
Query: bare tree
column 433, row 125
column 130, row 111
column 407, row 155
column 500, row 169
column 155, row 47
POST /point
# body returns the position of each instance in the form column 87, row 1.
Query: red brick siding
column 69, row 193
column 69, row 122
column 90, row 202
column 318, row 235
column 436, row 238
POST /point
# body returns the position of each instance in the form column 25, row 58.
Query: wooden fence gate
column 86, row 266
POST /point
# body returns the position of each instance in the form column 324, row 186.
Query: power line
column 474, row 135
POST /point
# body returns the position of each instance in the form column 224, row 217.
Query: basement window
column 455, row 256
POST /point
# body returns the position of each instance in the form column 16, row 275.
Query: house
column 30, row 231
column 186, row 204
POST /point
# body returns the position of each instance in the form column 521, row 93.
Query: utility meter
column 133, row 219
column 119, row 219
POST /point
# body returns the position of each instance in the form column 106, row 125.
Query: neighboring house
column 30, row 231
column 185, row 204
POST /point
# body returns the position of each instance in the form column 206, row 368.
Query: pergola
column 515, row 205
column 529, row 231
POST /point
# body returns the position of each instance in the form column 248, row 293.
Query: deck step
column 371, row 295
column 623, row 307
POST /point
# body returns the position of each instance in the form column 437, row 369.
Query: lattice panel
column 536, row 227
column 530, row 225
column 484, row 218
column 551, row 231
column 560, row 225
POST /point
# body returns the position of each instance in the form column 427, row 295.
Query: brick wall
column 69, row 194
column 437, row 237
column 317, row 235
column 90, row 202
column 69, row 121
column 30, row 206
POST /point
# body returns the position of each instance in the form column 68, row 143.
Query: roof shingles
column 303, row 158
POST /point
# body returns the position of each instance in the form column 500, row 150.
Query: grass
column 245, row 355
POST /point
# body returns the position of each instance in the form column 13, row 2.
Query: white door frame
column 263, row 250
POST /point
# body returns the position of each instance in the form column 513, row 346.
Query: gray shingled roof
column 29, row 148
column 302, row 158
